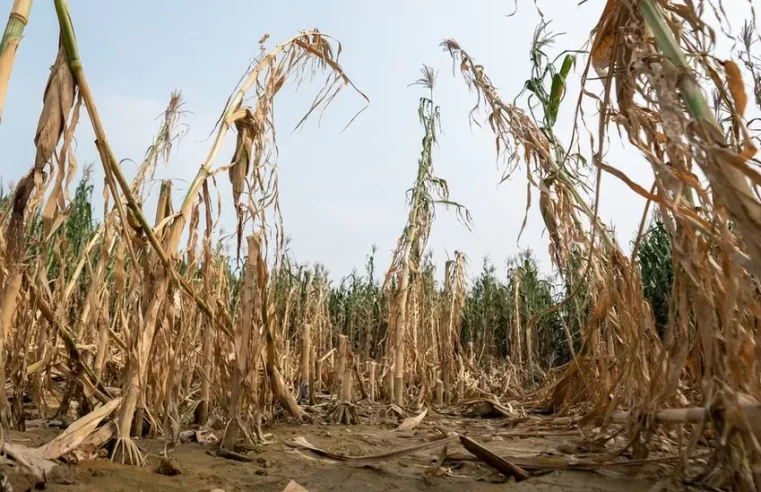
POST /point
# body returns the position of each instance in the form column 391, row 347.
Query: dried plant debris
column 412, row 422
column 133, row 322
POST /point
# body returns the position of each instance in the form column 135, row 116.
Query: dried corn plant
column 406, row 262
column 123, row 316
column 658, row 102
column 618, row 339
column 450, row 352
column 253, row 171
column 56, row 121
column 127, row 297
column 713, row 223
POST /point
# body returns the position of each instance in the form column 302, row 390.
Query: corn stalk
column 14, row 31
column 407, row 257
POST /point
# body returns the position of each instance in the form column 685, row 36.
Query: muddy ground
column 275, row 464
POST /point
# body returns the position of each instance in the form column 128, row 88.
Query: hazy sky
column 340, row 192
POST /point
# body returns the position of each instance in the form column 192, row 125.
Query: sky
column 340, row 192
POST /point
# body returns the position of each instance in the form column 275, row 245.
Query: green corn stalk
column 657, row 269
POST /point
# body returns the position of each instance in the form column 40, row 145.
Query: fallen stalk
column 500, row 464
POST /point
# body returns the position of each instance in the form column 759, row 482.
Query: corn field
column 141, row 325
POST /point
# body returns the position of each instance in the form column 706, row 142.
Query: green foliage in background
column 657, row 270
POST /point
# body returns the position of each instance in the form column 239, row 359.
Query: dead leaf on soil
column 88, row 449
column 73, row 436
column 412, row 422
column 294, row 487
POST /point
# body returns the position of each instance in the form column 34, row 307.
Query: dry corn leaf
column 547, row 209
column 483, row 408
column 412, row 422
column 736, row 86
column 245, row 124
column 58, row 100
column 60, row 193
column 602, row 52
column 78, row 431
column 394, row 408
column 602, row 45
column 88, row 448
column 740, row 98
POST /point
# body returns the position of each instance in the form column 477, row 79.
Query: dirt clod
column 168, row 467
column 494, row 477
column 62, row 475
column 15, row 480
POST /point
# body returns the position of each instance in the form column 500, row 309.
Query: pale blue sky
column 340, row 192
